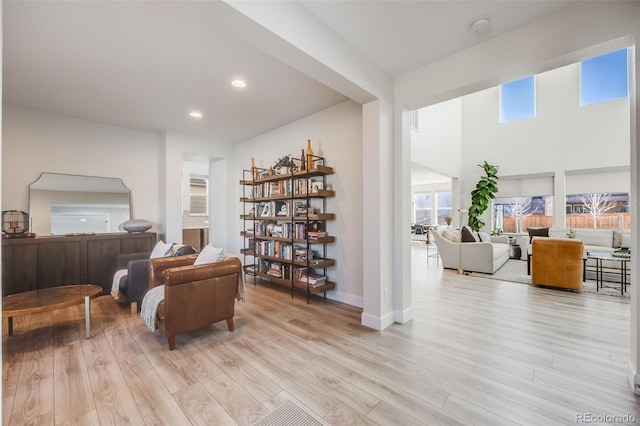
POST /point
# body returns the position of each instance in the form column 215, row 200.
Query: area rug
column 288, row 414
column 516, row 271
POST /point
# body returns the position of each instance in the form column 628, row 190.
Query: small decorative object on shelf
column 15, row 224
column 309, row 153
column 284, row 165
column 571, row 233
column 254, row 170
column 136, row 225
column 303, row 162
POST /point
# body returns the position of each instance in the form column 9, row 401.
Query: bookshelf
column 284, row 227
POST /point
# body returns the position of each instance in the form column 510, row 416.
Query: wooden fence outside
column 577, row 221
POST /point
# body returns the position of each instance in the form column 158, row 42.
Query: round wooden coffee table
column 50, row 299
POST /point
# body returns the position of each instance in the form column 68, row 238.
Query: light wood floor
column 477, row 352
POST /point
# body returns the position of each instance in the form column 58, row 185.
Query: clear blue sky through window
column 604, row 78
column 518, row 99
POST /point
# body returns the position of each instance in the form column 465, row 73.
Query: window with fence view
column 598, row 211
column 609, row 210
column 516, row 214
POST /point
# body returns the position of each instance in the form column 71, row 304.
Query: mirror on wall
column 60, row 204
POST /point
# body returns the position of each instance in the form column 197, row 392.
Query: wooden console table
column 36, row 263
column 50, row 299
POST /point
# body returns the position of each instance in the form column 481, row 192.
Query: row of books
column 283, row 270
column 282, row 209
column 274, row 249
column 285, row 187
column 283, row 250
column 275, row 269
column 295, row 230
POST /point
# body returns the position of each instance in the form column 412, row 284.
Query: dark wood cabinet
column 41, row 262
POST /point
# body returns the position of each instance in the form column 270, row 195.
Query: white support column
column 559, row 199
column 634, row 84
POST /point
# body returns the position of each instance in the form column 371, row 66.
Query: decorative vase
column 309, row 153
column 302, row 160
column 319, row 152
column 254, row 171
column 136, row 225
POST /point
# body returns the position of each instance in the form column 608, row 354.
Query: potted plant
column 285, row 165
column 482, row 195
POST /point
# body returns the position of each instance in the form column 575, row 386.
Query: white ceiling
column 145, row 65
column 421, row 175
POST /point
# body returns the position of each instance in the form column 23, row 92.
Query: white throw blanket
column 115, row 286
column 240, row 289
column 150, row 303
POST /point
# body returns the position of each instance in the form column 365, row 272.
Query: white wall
column 562, row 136
column 36, row 142
column 339, row 130
column 437, row 144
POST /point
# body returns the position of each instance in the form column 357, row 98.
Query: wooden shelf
column 323, row 193
column 318, row 216
column 328, row 285
column 323, row 240
column 316, row 171
column 315, row 263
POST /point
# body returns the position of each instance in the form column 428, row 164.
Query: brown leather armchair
column 194, row 295
column 557, row 262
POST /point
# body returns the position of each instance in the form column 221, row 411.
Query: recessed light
column 238, row 83
column 195, row 114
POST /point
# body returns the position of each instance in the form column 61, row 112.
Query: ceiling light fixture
column 238, row 83
column 481, row 25
column 195, row 114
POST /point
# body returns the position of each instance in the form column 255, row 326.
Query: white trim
column 377, row 323
column 634, row 379
column 404, row 316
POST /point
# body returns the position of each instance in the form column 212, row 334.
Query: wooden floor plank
column 71, row 378
column 201, row 407
column 112, row 396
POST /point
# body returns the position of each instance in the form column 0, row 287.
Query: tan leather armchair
column 557, row 262
column 194, row 295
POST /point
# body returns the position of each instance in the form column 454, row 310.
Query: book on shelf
column 311, row 278
column 315, row 235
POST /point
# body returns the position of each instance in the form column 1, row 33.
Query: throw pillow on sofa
column 452, row 236
column 484, row 237
column 538, row 232
column 161, row 249
column 467, row 236
column 210, row 254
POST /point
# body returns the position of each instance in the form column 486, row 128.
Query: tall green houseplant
column 481, row 197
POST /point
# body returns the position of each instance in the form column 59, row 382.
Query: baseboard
column 404, row 316
column 377, row 323
column 347, row 298
column 634, row 379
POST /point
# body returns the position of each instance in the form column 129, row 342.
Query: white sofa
column 477, row 257
column 597, row 240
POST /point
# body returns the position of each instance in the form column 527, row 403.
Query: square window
column 517, row 100
column 604, row 78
